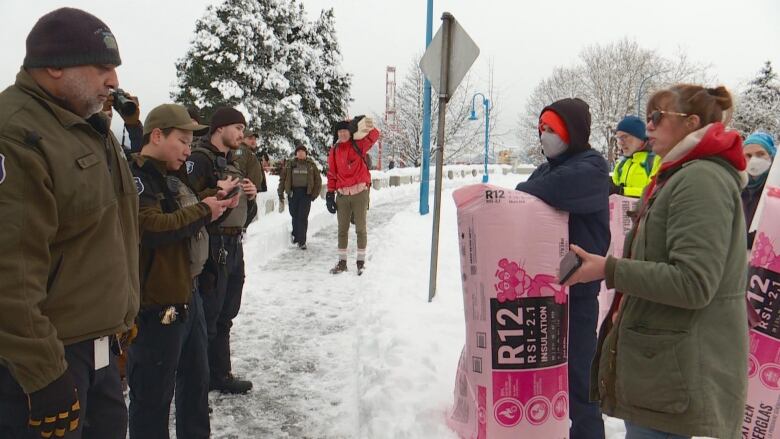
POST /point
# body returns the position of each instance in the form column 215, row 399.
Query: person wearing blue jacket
column 575, row 179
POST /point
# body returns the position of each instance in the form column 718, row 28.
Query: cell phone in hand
column 231, row 193
column 569, row 265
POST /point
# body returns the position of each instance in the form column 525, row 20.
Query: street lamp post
column 473, row 116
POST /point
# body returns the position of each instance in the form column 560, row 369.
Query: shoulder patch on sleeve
column 2, row 168
column 139, row 186
column 190, row 165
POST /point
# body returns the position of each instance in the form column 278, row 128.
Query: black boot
column 302, row 245
column 230, row 384
column 361, row 265
column 340, row 267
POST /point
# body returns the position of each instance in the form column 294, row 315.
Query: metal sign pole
column 443, row 99
column 425, row 165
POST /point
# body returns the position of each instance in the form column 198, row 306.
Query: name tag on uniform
column 101, row 353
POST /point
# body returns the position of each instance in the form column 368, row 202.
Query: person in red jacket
column 348, row 174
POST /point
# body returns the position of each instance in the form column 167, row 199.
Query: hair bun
column 722, row 96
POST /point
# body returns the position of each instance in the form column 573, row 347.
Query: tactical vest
column 300, row 173
column 199, row 244
column 222, row 169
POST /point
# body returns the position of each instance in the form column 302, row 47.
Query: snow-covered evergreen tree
column 327, row 87
column 758, row 107
column 264, row 58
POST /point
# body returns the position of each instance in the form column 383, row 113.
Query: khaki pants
column 347, row 205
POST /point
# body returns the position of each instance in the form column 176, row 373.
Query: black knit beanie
column 226, row 116
column 70, row 37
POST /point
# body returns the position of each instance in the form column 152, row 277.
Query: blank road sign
column 464, row 52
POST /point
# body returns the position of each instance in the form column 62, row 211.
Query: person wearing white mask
column 760, row 150
column 575, row 179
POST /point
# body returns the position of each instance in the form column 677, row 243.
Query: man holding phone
column 575, row 180
column 170, row 349
column 211, row 167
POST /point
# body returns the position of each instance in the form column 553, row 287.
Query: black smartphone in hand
column 232, row 193
column 569, row 265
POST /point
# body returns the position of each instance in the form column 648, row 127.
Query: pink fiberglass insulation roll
column 512, row 379
column 763, row 290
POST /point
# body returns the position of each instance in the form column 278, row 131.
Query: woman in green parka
column 672, row 356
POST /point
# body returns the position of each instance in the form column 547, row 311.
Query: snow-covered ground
column 347, row 356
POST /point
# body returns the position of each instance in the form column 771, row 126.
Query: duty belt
column 228, row 231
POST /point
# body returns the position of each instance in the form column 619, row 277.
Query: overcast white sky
column 524, row 39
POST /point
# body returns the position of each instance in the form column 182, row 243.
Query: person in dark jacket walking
column 575, row 179
column 760, row 150
column 301, row 181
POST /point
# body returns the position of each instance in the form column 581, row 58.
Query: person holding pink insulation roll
column 575, row 180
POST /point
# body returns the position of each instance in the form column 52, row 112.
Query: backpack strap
column 649, row 162
column 357, row 151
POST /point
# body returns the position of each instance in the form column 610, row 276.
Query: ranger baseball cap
column 170, row 116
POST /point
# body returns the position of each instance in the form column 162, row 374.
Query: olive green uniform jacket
column 166, row 230
column 251, row 166
column 69, row 234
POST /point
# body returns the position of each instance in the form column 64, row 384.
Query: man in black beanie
column 69, row 266
column 210, row 168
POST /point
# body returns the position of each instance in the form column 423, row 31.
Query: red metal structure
column 390, row 115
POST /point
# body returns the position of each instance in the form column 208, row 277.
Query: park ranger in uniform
column 170, row 349
column 210, row 168
column 68, row 209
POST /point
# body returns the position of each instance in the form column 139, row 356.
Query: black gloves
column 330, row 202
column 54, row 410
column 615, row 189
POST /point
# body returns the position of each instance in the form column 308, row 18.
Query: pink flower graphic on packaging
column 514, row 282
column 764, row 254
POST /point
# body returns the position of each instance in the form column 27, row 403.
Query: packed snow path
column 295, row 339
column 348, row 357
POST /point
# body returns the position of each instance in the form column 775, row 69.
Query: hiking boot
column 230, row 384
column 361, row 265
column 292, row 239
column 340, row 267
column 302, row 245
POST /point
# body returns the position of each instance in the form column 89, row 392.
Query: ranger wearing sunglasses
column 639, row 163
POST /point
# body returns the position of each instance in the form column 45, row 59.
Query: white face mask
column 757, row 166
column 552, row 145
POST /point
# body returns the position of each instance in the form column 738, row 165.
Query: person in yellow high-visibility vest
column 639, row 163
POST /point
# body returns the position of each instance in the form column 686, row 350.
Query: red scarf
column 715, row 142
